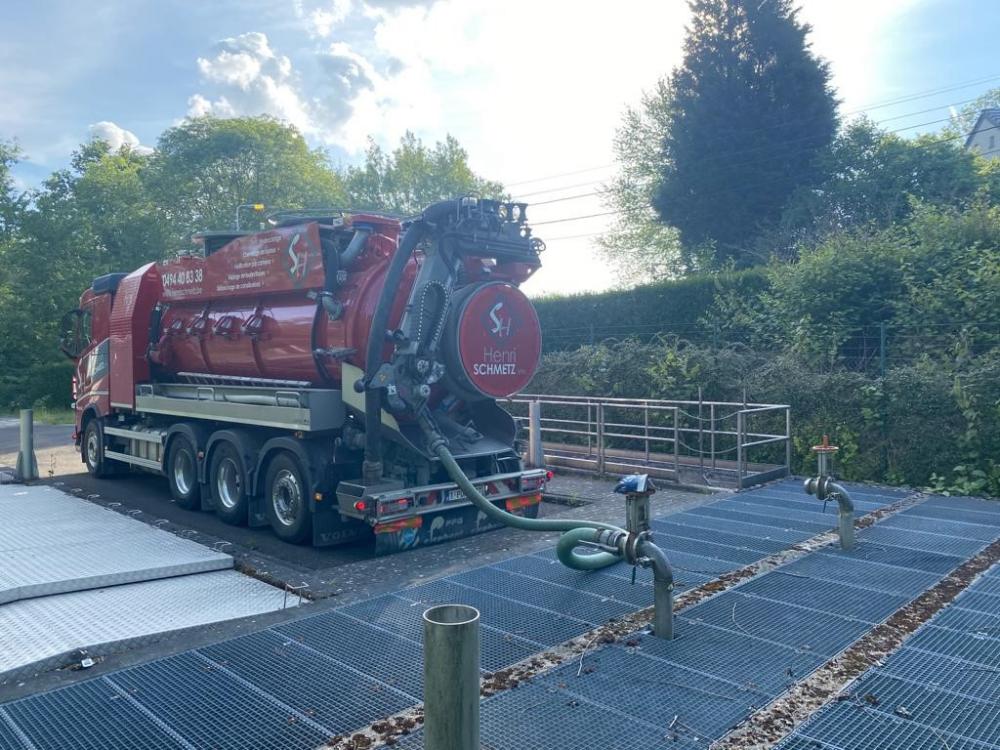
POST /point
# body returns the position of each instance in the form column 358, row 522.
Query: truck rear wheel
column 182, row 473
column 286, row 499
column 228, row 485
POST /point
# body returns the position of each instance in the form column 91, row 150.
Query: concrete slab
column 54, row 543
column 42, row 632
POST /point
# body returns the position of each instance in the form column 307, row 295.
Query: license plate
column 454, row 496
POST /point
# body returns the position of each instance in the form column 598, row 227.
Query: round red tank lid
column 499, row 339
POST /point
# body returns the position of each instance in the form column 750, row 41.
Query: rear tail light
column 549, row 474
column 73, row 387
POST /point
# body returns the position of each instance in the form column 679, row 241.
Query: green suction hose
column 575, row 532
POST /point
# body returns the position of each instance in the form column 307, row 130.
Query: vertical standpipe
column 27, row 465
column 451, row 677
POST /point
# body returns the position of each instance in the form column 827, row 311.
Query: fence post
column 600, row 437
column 881, row 348
column 27, row 465
column 711, row 432
column 645, row 422
column 701, row 434
column 590, row 431
column 677, row 445
column 739, row 449
column 451, row 677
column 536, row 453
column 788, row 441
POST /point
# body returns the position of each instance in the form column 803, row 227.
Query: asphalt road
column 46, row 435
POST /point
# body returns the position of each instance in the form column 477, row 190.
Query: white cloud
column 116, row 137
column 247, row 76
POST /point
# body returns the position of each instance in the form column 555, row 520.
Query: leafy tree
column 206, row 167
column 872, row 178
column 639, row 246
column 413, row 176
column 750, row 107
column 964, row 120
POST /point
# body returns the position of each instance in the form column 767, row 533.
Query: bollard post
column 451, row 677
column 27, row 465
column 536, row 453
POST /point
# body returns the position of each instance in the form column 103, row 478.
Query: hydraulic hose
column 575, row 532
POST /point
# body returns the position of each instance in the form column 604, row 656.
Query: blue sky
column 532, row 88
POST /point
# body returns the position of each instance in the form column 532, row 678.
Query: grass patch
column 46, row 415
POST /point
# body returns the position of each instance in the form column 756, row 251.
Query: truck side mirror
column 71, row 342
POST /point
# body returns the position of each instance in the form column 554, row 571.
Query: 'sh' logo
column 298, row 260
column 501, row 325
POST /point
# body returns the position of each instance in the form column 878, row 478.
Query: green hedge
column 681, row 306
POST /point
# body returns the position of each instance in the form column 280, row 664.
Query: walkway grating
column 294, row 685
column 939, row 690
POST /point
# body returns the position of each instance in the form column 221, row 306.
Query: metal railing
column 710, row 442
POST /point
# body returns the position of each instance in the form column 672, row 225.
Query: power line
column 765, row 183
column 878, row 105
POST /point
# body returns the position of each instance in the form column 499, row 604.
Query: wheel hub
column 286, row 497
column 228, row 483
column 183, row 472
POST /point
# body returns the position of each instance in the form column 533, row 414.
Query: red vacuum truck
column 303, row 377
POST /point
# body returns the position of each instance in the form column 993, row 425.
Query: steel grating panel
column 209, row 708
column 338, row 698
column 733, row 533
column 798, row 742
column 930, row 562
column 976, row 649
column 729, row 511
column 815, row 516
column 806, row 505
column 886, row 535
column 518, row 619
column 8, row 740
column 955, row 514
column 942, row 527
column 405, row 618
column 850, row 726
column 535, row 718
column 705, row 542
column 824, row 596
column 53, row 543
column 985, row 603
column 988, row 585
column 969, row 621
column 842, row 567
column 557, row 599
column 945, row 712
column 624, row 680
column 979, row 505
column 734, row 657
column 37, row 632
column 393, row 660
column 592, row 581
column 65, row 719
column 794, row 627
column 942, row 672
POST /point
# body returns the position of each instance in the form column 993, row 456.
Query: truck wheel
column 286, row 499
column 93, row 450
column 182, row 473
column 228, row 485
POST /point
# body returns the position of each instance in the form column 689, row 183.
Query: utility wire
column 749, row 186
column 867, row 108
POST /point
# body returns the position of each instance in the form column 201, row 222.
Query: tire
column 286, row 499
column 92, row 450
column 181, row 468
column 227, row 484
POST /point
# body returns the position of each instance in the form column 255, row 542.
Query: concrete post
column 451, row 677
column 27, row 465
column 536, row 453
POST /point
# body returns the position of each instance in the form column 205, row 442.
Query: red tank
column 252, row 309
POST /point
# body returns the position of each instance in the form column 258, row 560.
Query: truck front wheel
column 93, row 450
column 286, row 499
column 182, row 473
column 228, row 485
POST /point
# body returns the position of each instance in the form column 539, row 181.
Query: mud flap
column 454, row 523
column 330, row 529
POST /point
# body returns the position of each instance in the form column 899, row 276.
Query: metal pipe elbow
column 662, row 572
column 844, row 499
